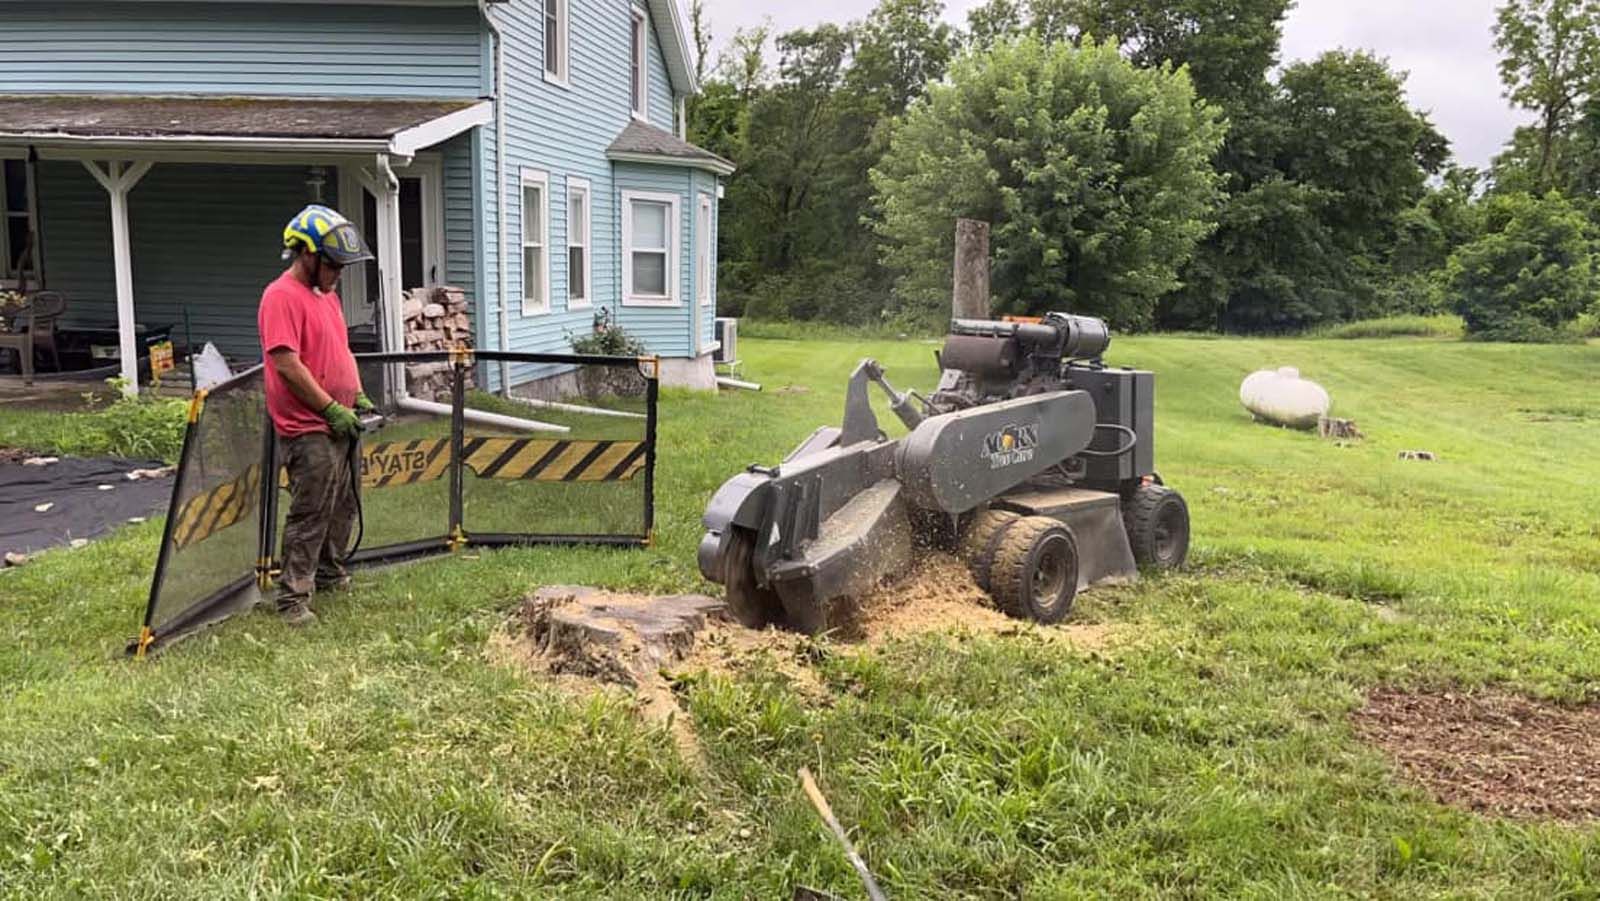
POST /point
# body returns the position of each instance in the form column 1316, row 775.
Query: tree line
column 1148, row 161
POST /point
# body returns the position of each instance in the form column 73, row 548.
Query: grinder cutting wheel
column 1033, row 460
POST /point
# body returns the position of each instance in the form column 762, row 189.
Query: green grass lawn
column 382, row 754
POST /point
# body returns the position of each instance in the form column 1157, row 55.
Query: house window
column 577, row 243
column 555, row 40
column 649, row 239
column 535, row 227
column 636, row 71
column 18, row 237
column 702, row 251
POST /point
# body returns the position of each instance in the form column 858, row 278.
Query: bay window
column 650, row 240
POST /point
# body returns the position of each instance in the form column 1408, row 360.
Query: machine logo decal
column 1011, row 445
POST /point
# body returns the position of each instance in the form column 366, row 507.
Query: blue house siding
column 460, row 216
column 665, row 330
column 661, row 106
column 563, row 131
column 203, row 237
column 240, row 48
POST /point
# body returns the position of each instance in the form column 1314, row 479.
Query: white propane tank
column 1280, row 396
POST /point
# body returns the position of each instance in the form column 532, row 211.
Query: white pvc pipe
column 481, row 417
column 726, row 382
column 577, row 408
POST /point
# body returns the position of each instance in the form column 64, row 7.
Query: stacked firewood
column 435, row 319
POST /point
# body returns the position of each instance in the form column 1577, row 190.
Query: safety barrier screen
column 568, row 459
column 212, row 544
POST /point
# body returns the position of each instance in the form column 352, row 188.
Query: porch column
column 385, row 188
column 118, row 181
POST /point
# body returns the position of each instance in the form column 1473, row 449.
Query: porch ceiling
column 396, row 126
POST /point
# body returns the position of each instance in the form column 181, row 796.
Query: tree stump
column 970, row 297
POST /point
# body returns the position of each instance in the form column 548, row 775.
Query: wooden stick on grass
column 814, row 794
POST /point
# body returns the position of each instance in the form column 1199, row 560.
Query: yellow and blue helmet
column 321, row 229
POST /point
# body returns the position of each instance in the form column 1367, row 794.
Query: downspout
column 503, row 271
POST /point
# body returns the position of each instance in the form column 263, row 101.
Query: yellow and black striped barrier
column 396, row 463
column 206, row 514
column 533, row 459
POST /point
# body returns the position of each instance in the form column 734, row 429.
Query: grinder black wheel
column 748, row 603
column 1157, row 520
column 1035, row 570
column 981, row 538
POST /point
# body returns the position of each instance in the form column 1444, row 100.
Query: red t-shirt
column 293, row 317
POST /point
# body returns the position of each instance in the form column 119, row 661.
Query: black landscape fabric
column 79, row 506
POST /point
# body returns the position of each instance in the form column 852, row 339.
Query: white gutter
column 197, row 142
column 503, row 275
column 482, row 417
column 404, row 143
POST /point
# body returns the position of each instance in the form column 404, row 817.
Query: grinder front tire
column 1157, row 519
column 1035, row 570
column 981, row 539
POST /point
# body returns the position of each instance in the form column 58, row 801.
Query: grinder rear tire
column 1035, row 570
column 1157, row 519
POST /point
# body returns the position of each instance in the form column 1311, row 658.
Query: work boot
column 334, row 583
column 298, row 615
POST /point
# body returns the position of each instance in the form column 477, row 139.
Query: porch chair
column 43, row 309
column 39, row 314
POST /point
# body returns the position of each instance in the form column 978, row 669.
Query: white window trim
column 31, row 191
column 704, row 251
column 564, row 43
column 639, row 39
column 540, row 178
column 674, row 226
column 575, row 184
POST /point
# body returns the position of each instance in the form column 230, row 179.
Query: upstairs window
column 638, row 86
column 555, row 40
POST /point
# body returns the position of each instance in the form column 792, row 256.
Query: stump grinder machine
column 1034, row 461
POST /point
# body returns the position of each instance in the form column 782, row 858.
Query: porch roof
column 400, row 127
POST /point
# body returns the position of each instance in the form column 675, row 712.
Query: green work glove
column 341, row 420
column 364, row 403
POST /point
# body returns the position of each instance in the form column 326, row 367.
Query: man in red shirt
column 312, row 384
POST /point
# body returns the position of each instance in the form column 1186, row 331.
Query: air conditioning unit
column 726, row 332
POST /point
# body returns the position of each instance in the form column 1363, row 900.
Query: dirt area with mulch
column 585, row 640
column 1491, row 752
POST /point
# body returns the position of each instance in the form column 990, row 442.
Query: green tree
column 1550, row 50
column 1322, row 172
column 1095, row 175
column 806, row 130
column 1530, row 273
column 1228, row 45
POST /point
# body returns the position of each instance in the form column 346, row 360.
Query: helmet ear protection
column 323, row 231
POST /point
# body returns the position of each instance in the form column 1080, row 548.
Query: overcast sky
column 1445, row 45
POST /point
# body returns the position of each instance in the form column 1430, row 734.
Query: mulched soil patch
column 1491, row 752
column 74, row 497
